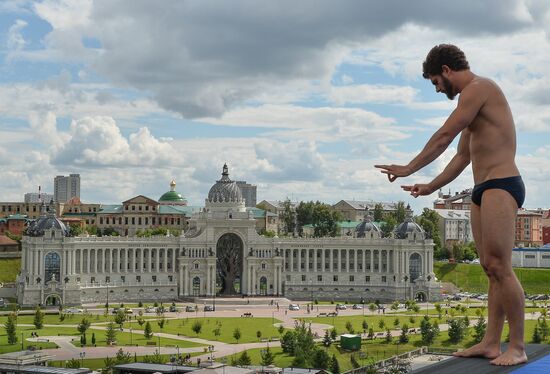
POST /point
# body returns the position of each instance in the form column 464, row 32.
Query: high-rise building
column 249, row 193
column 65, row 188
column 36, row 197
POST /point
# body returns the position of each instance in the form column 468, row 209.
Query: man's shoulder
column 481, row 84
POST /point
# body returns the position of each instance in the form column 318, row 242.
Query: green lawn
column 471, row 278
column 9, row 268
column 247, row 326
column 26, row 330
column 373, row 321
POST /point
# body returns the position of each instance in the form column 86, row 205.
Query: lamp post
column 22, row 340
column 159, row 342
column 82, row 355
column 130, row 335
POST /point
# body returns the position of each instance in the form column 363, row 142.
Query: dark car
column 173, row 308
column 208, row 308
column 189, row 308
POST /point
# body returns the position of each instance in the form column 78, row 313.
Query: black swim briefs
column 513, row 185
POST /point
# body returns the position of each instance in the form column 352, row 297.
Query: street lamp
column 22, row 340
column 130, row 335
column 82, row 355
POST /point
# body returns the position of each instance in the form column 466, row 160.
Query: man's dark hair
column 444, row 54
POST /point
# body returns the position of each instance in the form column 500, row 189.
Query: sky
column 301, row 98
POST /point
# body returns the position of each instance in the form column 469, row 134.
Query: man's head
column 441, row 62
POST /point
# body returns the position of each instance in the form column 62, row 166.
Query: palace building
column 221, row 253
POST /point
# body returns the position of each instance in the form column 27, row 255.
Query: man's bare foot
column 511, row 357
column 480, row 350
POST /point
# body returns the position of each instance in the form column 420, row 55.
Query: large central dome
column 225, row 190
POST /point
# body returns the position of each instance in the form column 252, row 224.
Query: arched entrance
column 53, row 300
column 420, row 297
column 415, row 266
column 229, row 264
column 196, row 286
column 263, row 286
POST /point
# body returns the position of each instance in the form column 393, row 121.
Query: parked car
column 208, row 308
column 293, row 307
column 128, row 310
column 341, row 307
column 357, row 306
column 74, row 310
column 173, row 308
column 150, row 309
column 190, row 308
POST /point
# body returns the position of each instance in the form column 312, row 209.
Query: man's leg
column 498, row 220
column 490, row 345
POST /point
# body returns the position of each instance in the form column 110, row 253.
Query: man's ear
column 445, row 69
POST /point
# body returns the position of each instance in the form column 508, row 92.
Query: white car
column 293, row 307
column 150, row 309
column 341, row 307
column 74, row 310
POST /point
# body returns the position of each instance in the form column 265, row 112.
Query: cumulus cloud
column 97, row 141
column 15, row 41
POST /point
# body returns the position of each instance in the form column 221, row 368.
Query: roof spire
column 225, row 170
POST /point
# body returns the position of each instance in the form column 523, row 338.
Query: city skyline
column 300, row 103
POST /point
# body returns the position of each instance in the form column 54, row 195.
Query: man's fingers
column 407, row 188
column 381, row 166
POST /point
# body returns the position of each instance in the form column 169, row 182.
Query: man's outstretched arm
column 469, row 103
column 451, row 171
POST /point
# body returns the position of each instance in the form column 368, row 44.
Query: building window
column 288, row 278
column 107, row 279
column 123, row 278
column 367, row 279
column 92, row 279
column 303, row 278
column 138, row 278
column 170, row 278
column 52, row 265
column 529, row 256
column 263, row 266
column 352, row 278
column 133, row 220
column 383, row 279
column 319, row 278
column 154, row 277
column 147, row 207
column 140, row 207
column 335, row 278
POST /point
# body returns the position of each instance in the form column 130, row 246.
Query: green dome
column 172, row 195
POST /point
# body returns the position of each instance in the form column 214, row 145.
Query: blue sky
column 299, row 98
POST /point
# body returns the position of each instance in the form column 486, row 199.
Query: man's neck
column 463, row 78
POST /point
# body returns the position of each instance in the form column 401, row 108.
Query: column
column 363, row 254
column 372, row 260
column 35, row 262
column 104, row 260
column 165, row 266
column 299, row 258
column 323, row 259
column 149, row 259
column 355, row 260
column 117, row 264
column 207, row 285
column 379, row 260
column 88, row 260
column 339, row 267
column 174, row 259
column 141, row 255
column 73, row 263
column 40, row 261
column 292, row 260
column 186, row 280
column 331, row 259
column 182, row 285
column 157, row 266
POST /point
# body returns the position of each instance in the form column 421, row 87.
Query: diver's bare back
column 493, row 134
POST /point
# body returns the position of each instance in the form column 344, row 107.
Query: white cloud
column 15, row 41
column 369, row 93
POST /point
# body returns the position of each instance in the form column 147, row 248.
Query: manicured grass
column 373, row 321
column 70, row 319
column 99, row 363
column 26, row 330
column 471, row 278
column 247, row 326
column 136, row 338
column 9, row 268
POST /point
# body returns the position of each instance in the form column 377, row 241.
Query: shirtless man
column 487, row 139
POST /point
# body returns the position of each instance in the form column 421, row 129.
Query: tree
column 395, row 305
column 479, row 329
column 388, row 226
column 161, row 322
column 108, row 365
column 381, row 324
column 75, row 229
column 237, row 334
column 327, row 341
column 288, row 343
column 429, row 221
column 120, row 317
column 288, row 217
column 123, row 357
column 11, row 326
column 371, row 333
column 304, row 215
column 378, row 214
column 325, row 221
column 428, row 331
column 244, row 359
column 349, row 327
column 83, row 326
column 333, row 334
column 537, row 338
column 438, row 309
column 93, row 338
column 73, row 363
column 396, row 322
column 400, row 212
column 457, row 330
column 543, row 327
column 281, row 329
column 197, row 327
column 404, row 337
column 365, row 326
column 38, row 318
column 217, row 331
column 147, row 331
column 388, row 336
column 110, row 333
column 334, row 366
column 259, row 335
column 267, row 357
column 372, row 307
column 320, row 359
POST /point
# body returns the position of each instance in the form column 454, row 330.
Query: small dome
column 225, row 190
column 365, row 227
column 47, row 222
column 408, row 227
column 172, row 196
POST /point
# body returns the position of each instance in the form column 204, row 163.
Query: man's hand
column 394, row 171
column 419, row 189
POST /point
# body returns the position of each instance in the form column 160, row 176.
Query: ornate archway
column 420, row 297
column 53, row 300
column 263, row 286
column 229, row 264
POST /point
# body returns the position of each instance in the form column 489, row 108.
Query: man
column 487, row 139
